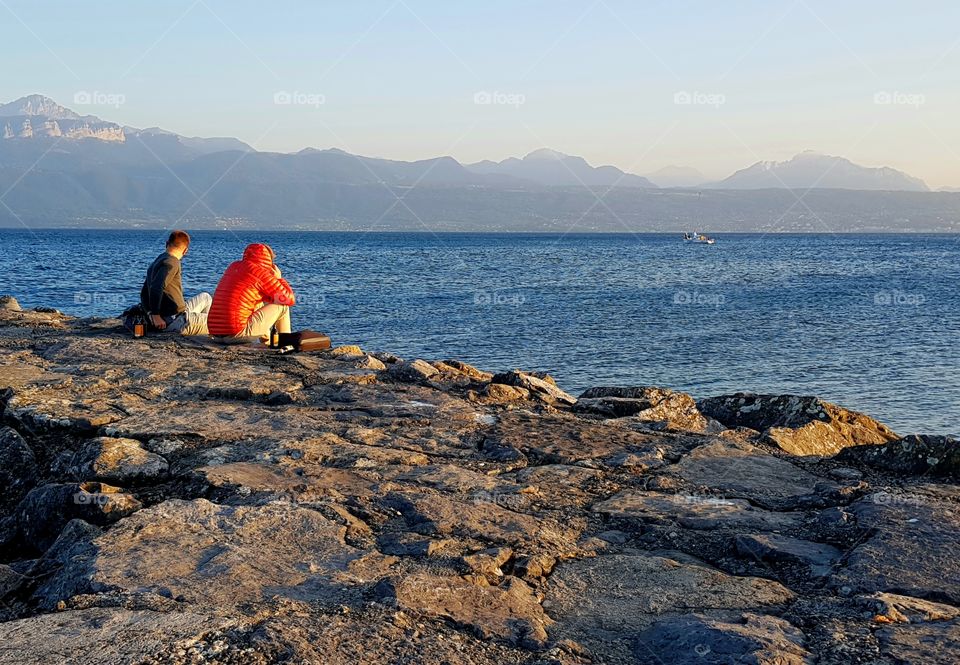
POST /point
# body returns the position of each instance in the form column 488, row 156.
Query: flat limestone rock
column 243, row 382
column 911, row 549
column 609, row 598
column 776, row 548
column 484, row 519
column 380, row 635
column 47, row 411
column 798, row 425
column 557, row 485
column 696, row 639
column 320, row 482
column 741, row 470
column 450, row 478
column 106, row 636
column 220, row 557
column 566, row 439
column 922, row 643
column 93, row 354
column 19, row 375
column 119, row 461
column 227, row 420
column 509, row 611
column 699, row 512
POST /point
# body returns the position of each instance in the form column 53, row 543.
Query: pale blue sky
column 398, row 78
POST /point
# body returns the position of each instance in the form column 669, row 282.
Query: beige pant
column 194, row 320
column 264, row 318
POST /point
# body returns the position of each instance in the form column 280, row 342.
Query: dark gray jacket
column 162, row 291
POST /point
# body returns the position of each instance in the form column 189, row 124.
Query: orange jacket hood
column 259, row 253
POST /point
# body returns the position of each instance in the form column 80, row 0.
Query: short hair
column 178, row 239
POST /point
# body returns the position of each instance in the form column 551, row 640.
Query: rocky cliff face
column 36, row 116
column 82, row 128
column 170, row 501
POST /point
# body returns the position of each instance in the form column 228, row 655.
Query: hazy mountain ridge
column 154, row 177
column 555, row 169
column 37, row 105
column 814, row 170
column 199, row 144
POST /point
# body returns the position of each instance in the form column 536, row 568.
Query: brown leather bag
column 305, row 340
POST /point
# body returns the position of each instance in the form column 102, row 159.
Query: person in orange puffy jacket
column 252, row 297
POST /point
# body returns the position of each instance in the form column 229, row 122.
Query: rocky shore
column 170, row 501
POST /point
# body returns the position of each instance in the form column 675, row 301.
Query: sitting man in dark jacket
column 162, row 293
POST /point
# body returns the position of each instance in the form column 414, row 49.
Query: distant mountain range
column 58, row 168
column 555, row 169
column 811, row 169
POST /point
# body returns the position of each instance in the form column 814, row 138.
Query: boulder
column 543, row 386
column 46, row 510
column 119, row 461
column 660, row 408
column 386, row 358
column 798, row 425
column 10, row 304
column 468, row 370
column 18, row 468
column 501, row 392
column 348, row 351
column 535, row 567
column 412, row 371
column 489, row 562
column 696, row 639
column 369, row 362
column 911, row 455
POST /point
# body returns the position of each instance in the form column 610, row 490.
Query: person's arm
column 173, row 285
column 276, row 289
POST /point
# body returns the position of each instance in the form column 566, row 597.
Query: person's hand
column 158, row 321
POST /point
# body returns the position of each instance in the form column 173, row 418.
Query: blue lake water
column 870, row 322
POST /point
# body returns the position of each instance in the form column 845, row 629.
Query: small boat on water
column 699, row 238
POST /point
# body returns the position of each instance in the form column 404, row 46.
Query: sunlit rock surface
column 168, row 500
